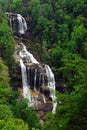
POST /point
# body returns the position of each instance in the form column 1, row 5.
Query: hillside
column 56, row 35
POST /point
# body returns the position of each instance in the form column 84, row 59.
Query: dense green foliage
column 60, row 31
column 72, row 113
column 6, row 40
column 14, row 115
column 7, row 120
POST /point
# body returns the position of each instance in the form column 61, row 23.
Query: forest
column 58, row 34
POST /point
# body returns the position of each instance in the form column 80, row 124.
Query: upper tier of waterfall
column 17, row 22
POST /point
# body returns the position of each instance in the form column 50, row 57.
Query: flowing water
column 17, row 22
column 34, row 75
column 27, row 57
column 22, row 24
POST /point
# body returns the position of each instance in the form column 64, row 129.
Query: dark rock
column 16, row 77
column 45, row 107
column 45, row 90
column 62, row 87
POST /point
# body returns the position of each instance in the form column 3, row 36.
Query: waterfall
column 37, row 79
column 30, row 79
column 17, row 22
column 27, row 55
column 26, row 93
column 51, row 84
column 22, row 24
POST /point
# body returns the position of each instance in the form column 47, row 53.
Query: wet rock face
column 16, row 77
column 38, row 82
column 36, row 76
column 45, row 90
column 45, row 107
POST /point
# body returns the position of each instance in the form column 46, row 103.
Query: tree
column 46, row 10
column 5, row 90
column 22, row 111
column 6, row 41
column 78, row 36
column 7, row 120
column 15, row 124
column 71, row 113
column 4, row 4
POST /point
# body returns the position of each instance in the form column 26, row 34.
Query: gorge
column 37, row 79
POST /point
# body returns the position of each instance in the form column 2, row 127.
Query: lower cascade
column 37, row 80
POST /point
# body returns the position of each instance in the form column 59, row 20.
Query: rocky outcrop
column 62, row 87
column 16, row 77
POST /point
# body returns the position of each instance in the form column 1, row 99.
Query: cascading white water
column 27, row 57
column 42, row 74
column 22, row 24
column 43, row 77
column 35, row 79
column 51, row 84
column 26, row 93
column 24, row 54
column 17, row 22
